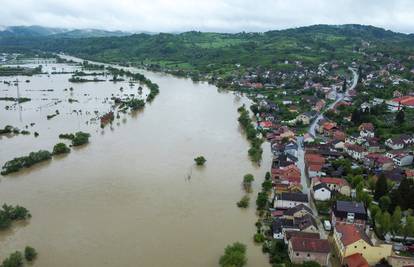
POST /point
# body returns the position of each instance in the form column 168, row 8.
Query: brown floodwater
column 125, row 199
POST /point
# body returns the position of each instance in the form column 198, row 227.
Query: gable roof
column 350, row 206
column 291, row 234
column 350, row 234
column 355, row 260
column 292, row 211
column 333, row 180
column 310, row 245
column 294, row 196
column 320, row 186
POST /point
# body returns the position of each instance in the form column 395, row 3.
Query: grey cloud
column 211, row 15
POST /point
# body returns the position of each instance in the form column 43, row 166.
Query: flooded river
column 125, row 199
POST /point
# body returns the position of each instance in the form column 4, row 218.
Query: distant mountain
column 39, row 31
column 217, row 52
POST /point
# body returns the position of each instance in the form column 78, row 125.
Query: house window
column 308, row 255
column 365, row 247
column 355, row 246
column 297, row 254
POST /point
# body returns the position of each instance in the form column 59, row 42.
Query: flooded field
column 132, row 196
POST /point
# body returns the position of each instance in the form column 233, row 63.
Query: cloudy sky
column 206, row 15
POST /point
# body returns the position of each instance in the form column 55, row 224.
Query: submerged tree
column 200, row 160
column 234, row 256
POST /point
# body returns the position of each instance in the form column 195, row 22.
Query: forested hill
column 213, row 51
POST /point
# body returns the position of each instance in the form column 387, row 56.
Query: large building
column 350, row 239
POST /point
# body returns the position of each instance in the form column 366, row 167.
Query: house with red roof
column 303, row 249
column 350, row 239
column 366, row 130
column 290, row 173
column 378, row 161
column 314, row 163
column 356, row 152
column 335, row 184
column 396, row 104
column 355, row 260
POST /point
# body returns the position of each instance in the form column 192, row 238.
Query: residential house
column 297, row 211
column 349, row 212
column 291, row 234
column 356, row 152
column 321, row 192
column 282, row 224
column 290, row 200
column 309, row 249
column 265, row 125
column 366, row 130
column 329, row 128
column 339, row 135
column 399, row 142
column 398, row 103
column 314, row 163
column 378, row 161
column 401, row 158
column 285, row 186
column 335, row 184
column 372, row 145
column 350, row 239
column 290, row 173
column 355, row 260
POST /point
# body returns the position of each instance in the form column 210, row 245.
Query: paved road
column 301, row 153
column 338, row 99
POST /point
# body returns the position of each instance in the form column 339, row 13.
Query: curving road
column 339, row 98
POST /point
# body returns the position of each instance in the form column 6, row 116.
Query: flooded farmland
column 132, row 196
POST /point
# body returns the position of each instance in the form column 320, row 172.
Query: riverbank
column 129, row 185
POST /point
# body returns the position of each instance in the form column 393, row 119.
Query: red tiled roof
column 329, row 126
column 405, row 100
column 314, row 158
column 350, row 234
column 315, row 167
column 356, row 260
column 266, row 124
column 339, row 135
column 333, row 180
column 366, row 127
column 310, row 245
column 292, row 234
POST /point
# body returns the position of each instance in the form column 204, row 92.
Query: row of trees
column 255, row 151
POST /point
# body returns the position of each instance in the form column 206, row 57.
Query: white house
column 321, row 192
column 287, row 200
column 401, row 158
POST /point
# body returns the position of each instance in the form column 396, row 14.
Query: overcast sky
column 206, row 15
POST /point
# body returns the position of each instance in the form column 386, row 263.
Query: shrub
column 259, row 238
column 200, row 160
column 244, row 202
column 30, row 253
column 234, row 256
column 80, row 138
column 14, row 260
column 60, row 148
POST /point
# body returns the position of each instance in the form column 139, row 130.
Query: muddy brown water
column 126, row 198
